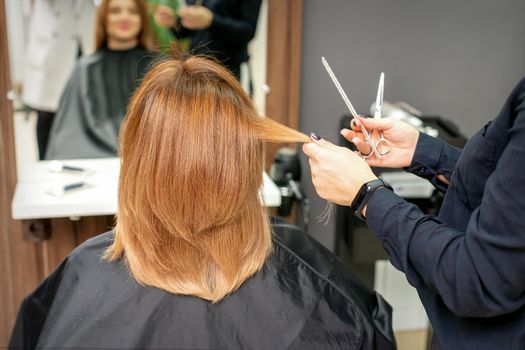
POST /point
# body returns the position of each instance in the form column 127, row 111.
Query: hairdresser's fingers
column 164, row 16
column 361, row 145
column 164, row 10
column 373, row 162
column 327, row 144
column 188, row 23
column 313, row 167
column 322, row 142
column 372, row 123
column 348, row 134
column 311, row 150
column 185, row 11
column 354, row 125
column 357, row 138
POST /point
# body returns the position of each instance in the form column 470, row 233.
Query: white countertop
column 32, row 200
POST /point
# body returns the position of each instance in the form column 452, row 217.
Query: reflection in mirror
column 74, row 65
column 55, row 33
column 94, row 101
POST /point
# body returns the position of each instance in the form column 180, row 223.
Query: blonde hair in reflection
column 189, row 219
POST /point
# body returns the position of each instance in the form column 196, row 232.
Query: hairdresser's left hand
column 337, row 172
column 195, row 17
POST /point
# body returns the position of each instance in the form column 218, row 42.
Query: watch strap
column 365, row 193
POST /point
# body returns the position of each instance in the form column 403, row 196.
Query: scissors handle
column 383, row 145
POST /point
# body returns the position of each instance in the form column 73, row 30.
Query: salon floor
column 409, row 318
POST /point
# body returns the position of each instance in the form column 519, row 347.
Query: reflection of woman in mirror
column 94, row 102
column 59, row 31
column 194, row 262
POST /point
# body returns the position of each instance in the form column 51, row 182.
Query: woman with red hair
column 194, row 261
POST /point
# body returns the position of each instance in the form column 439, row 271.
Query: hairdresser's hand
column 337, row 172
column 402, row 137
column 195, row 17
column 164, row 16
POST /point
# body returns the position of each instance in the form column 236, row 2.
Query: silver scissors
column 350, row 108
column 382, row 145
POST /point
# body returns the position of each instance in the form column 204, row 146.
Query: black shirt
column 233, row 26
column 467, row 264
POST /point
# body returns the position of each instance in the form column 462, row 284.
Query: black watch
column 364, row 194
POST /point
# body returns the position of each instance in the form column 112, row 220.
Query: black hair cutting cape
column 94, row 103
column 303, row 298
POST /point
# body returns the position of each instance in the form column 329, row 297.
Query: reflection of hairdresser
column 94, row 102
column 468, row 264
column 221, row 28
column 59, row 31
column 194, row 262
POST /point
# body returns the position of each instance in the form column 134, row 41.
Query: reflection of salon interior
column 446, row 67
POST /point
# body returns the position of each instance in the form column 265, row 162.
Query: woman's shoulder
column 93, row 248
column 88, row 60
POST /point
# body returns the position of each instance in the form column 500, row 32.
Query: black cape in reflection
column 303, row 298
column 94, row 103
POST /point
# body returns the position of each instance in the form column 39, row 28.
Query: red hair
column 190, row 220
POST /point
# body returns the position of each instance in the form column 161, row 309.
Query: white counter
column 32, row 200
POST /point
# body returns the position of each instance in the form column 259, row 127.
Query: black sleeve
column 478, row 272
column 234, row 30
column 433, row 157
column 237, row 30
column 180, row 32
column 33, row 312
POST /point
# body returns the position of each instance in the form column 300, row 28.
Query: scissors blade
column 379, row 98
column 349, row 105
column 339, row 88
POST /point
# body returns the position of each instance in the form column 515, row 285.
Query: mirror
column 56, row 93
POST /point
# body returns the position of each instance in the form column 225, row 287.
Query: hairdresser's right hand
column 402, row 137
column 164, row 16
